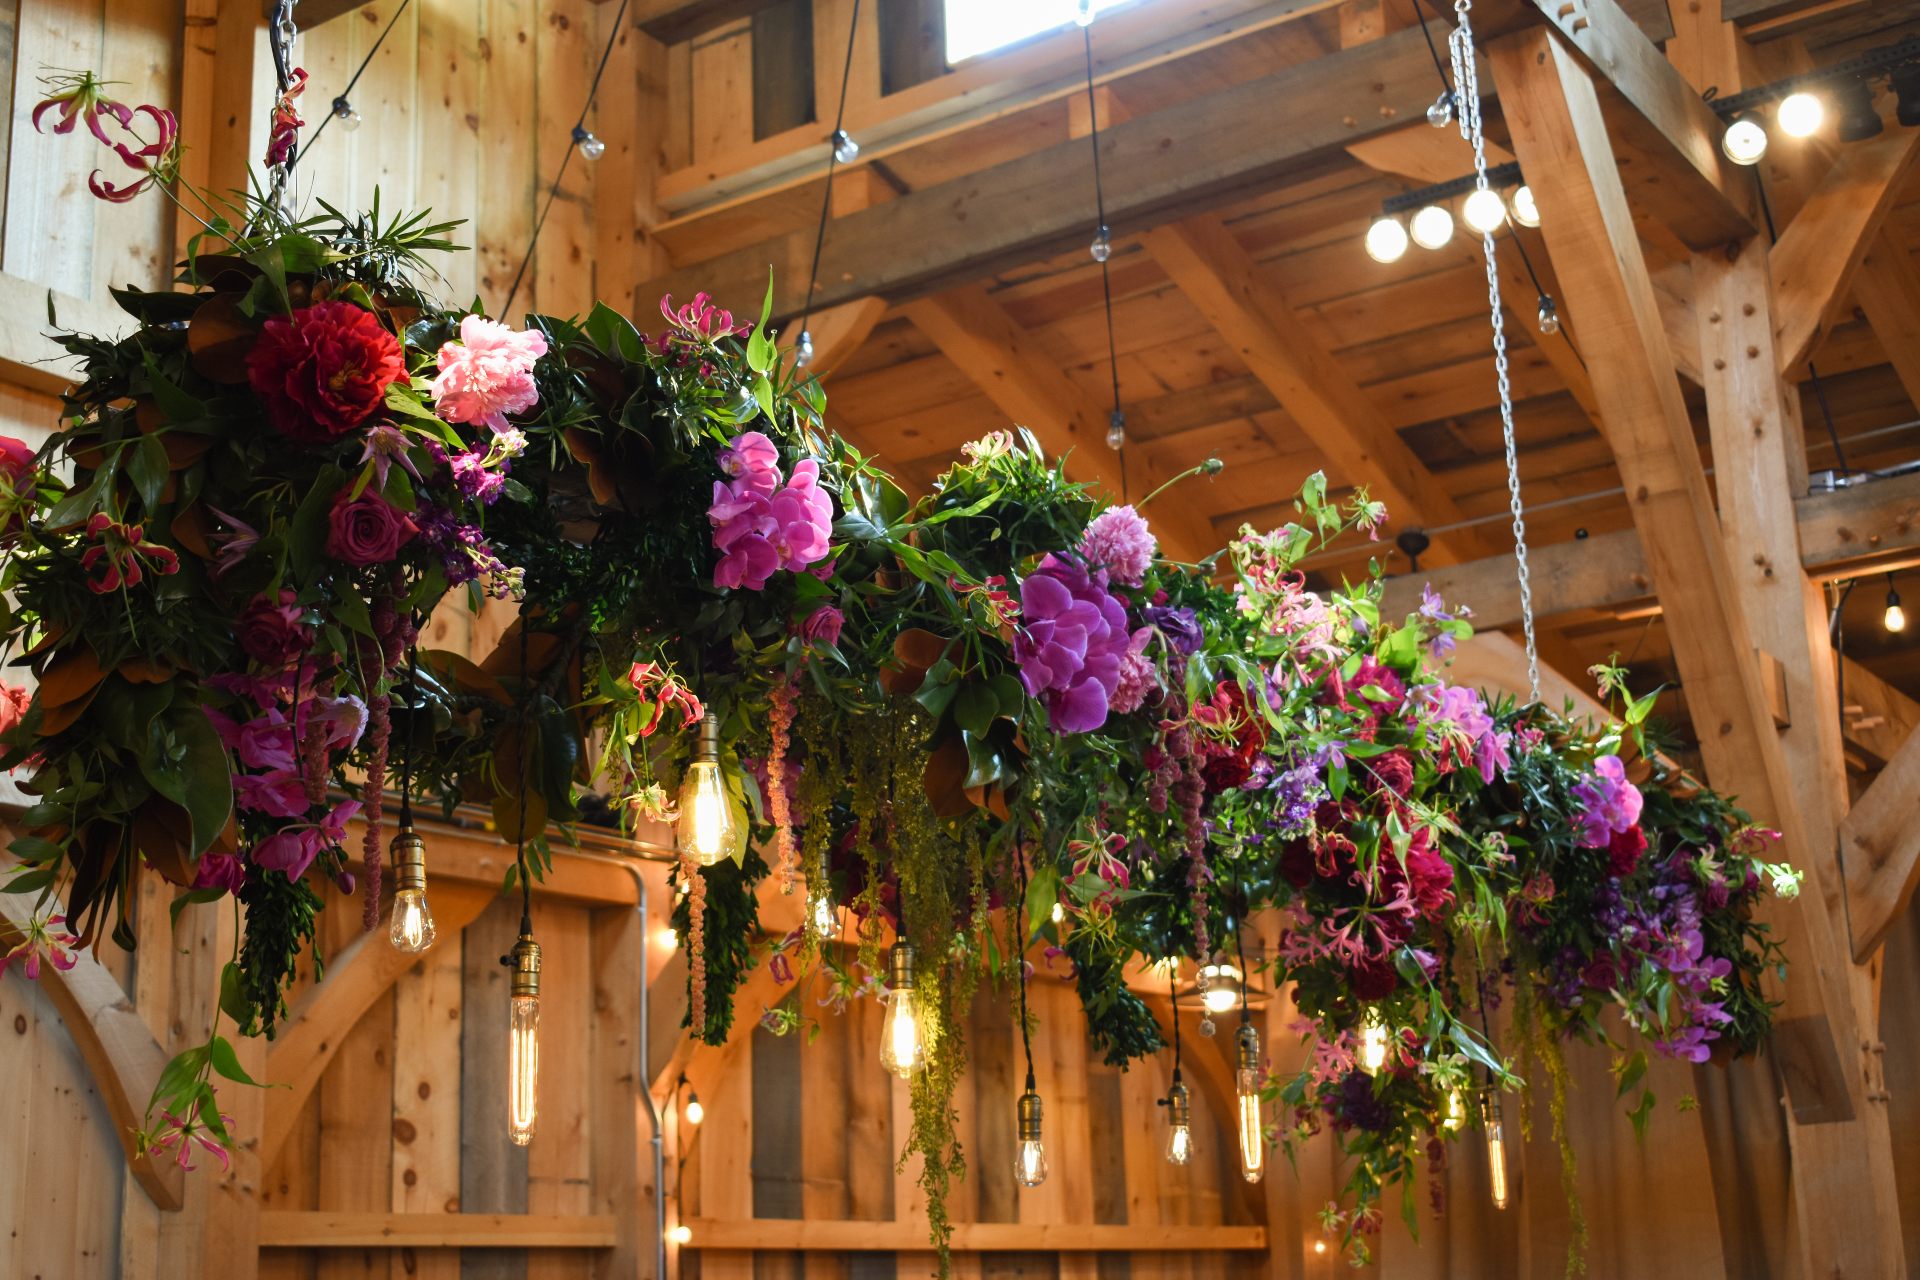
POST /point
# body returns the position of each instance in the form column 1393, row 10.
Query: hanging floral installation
column 986, row 718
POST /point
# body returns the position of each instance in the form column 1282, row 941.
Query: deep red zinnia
column 324, row 370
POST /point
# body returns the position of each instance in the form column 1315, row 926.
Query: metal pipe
column 641, row 1077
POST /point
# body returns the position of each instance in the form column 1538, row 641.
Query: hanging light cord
column 1173, row 998
column 406, row 747
column 1813, row 370
column 520, row 814
column 1420, row 11
column 1020, row 955
column 1526, row 260
column 833, row 162
column 1240, row 954
column 1104, row 236
column 346, row 94
column 573, row 145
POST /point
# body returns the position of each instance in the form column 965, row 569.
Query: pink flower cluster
column 487, row 374
column 1119, row 541
column 77, row 97
column 1609, row 804
column 761, row 524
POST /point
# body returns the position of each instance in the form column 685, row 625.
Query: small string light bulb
column 1440, row 114
column 1800, row 114
column 1083, row 13
column 411, row 930
column 1059, row 913
column 343, row 112
column 1526, row 211
column 845, row 149
column 1386, row 240
column 1179, row 1105
column 1373, row 1042
column 693, row 1112
column 1484, row 211
column 903, row 1041
column 1496, row 1150
column 803, row 350
column 1745, row 141
column 1030, row 1155
column 591, row 147
column 523, row 1039
column 1549, row 315
column 1116, row 431
column 1895, row 617
column 1102, row 246
column 681, row 1234
column 1246, row 1088
column 1432, row 227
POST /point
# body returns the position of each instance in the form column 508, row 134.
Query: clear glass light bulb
column 1440, row 114
column 1179, row 1144
column 1059, row 913
column 1896, row 617
column 1386, row 240
column 826, row 917
column 592, row 147
column 1549, row 316
column 523, row 1068
column 1745, row 141
column 681, row 1234
column 803, row 350
column 1484, row 211
column 1496, row 1154
column 709, row 825
column 1117, row 430
column 1102, row 246
column 1030, row 1163
column 1526, row 211
column 1083, row 12
column 411, row 929
column 845, row 149
column 1456, row 1111
column 1432, row 227
column 351, row 120
column 693, row 1112
column 903, row 1042
column 1219, row 987
column 1800, row 114
column 1253, row 1142
column 1373, row 1043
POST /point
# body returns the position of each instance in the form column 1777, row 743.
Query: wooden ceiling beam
column 673, row 21
column 1819, row 254
column 978, row 335
column 1878, row 718
column 1247, row 309
column 1880, row 848
column 1888, row 290
column 1169, row 164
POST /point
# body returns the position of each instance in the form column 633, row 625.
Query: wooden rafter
column 1880, row 846
column 839, row 331
column 677, row 20
column 1815, row 262
column 812, row 1234
column 1888, row 290
column 978, row 335
column 1249, row 312
column 1879, row 718
column 1015, row 211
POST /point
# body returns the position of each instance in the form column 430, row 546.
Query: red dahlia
column 324, row 370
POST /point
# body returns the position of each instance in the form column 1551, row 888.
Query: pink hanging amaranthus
column 779, row 724
column 696, row 947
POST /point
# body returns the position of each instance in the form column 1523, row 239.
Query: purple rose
column 1071, row 643
column 273, row 632
column 367, row 530
column 822, row 626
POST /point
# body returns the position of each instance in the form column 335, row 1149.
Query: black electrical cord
column 573, row 145
column 346, row 94
column 520, row 815
column 1813, row 370
column 1104, row 236
column 1513, row 234
column 1446, row 86
column 1173, row 999
column 406, row 747
column 833, row 162
column 1020, row 956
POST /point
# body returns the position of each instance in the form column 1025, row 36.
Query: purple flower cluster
column 761, row 525
column 1071, row 643
column 1661, row 929
column 1608, row 803
column 464, row 552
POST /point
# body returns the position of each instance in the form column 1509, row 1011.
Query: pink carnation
column 488, row 373
column 1119, row 541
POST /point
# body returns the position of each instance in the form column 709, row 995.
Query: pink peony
column 488, row 373
column 1119, row 541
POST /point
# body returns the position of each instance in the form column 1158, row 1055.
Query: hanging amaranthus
column 696, row 946
column 779, row 722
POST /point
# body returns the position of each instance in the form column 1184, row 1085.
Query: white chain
column 1466, row 79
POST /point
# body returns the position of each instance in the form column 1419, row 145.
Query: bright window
column 975, row 27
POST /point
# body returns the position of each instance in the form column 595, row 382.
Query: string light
column 591, row 147
column 1102, row 246
column 841, row 149
column 1083, row 12
column 1525, row 211
column 903, row 1040
column 710, row 828
column 343, row 112
column 1549, row 315
column 1800, row 114
column 1484, row 211
column 1431, row 227
column 1496, row 1150
column 682, row 1234
column 342, row 108
column 845, row 149
column 1386, row 240
column 693, row 1112
column 1059, row 913
column 1102, row 250
column 1373, row 1042
column 1116, row 431
column 1895, row 617
column 1440, row 114
column 1745, row 141
column 803, row 350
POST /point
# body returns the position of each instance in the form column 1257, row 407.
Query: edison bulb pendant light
column 710, row 828
column 1496, row 1150
column 1179, row 1124
column 1895, row 617
column 903, row 1042
column 1030, row 1155
column 1373, row 1043
column 1246, row 1088
column 411, row 929
column 1386, row 240
column 523, row 1041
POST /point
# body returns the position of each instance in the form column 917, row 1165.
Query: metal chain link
column 1466, row 79
column 282, row 190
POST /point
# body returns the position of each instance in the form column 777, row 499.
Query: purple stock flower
column 1070, row 644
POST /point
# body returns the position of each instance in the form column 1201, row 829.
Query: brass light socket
column 1247, row 1046
column 408, row 857
column 525, row 960
column 1030, row 1116
column 709, row 746
column 900, row 966
column 1179, row 1105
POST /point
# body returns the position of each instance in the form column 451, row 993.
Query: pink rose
column 273, row 632
column 822, row 626
column 367, row 530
